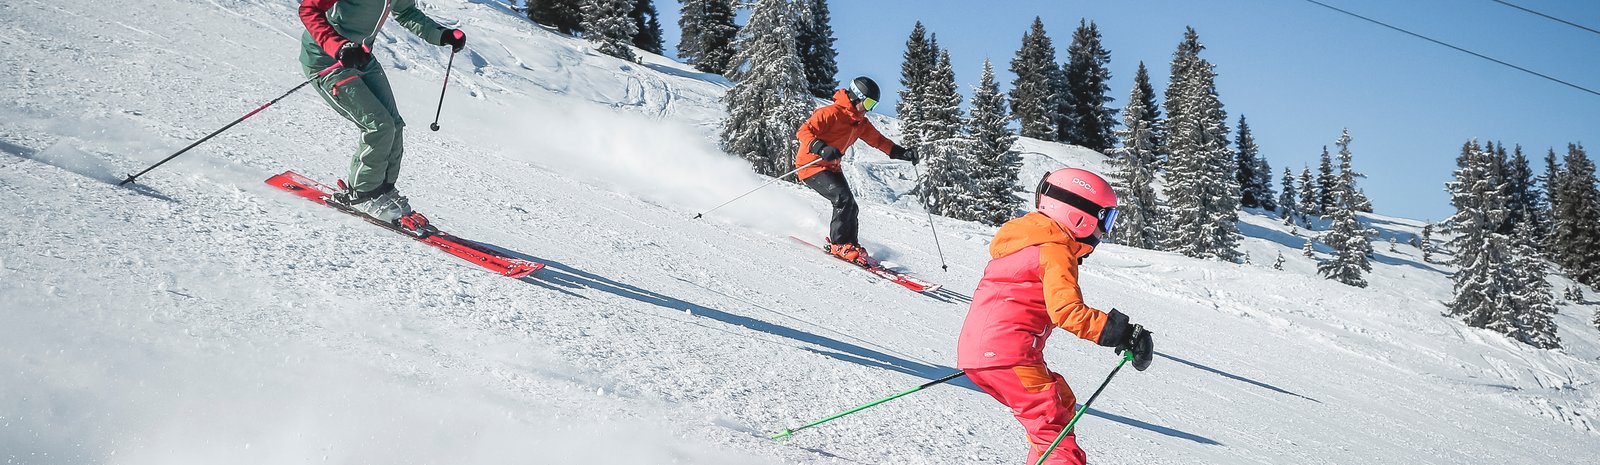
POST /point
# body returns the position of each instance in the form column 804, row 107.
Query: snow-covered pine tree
column 1308, row 196
column 769, row 97
column 946, row 186
column 1348, row 176
column 1350, row 241
column 1326, row 180
column 1483, row 280
column 1092, row 119
column 648, row 22
column 1033, row 95
column 1288, row 204
column 1141, row 81
column 606, row 23
column 1188, row 52
column 1265, row 192
column 1135, row 174
column 1576, row 211
column 995, row 172
column 817, row 52
column 1532, row 311
column 1278, row 264
column 564, row 15
column 1202, row 211
column 916, row 75
column 1547, row 183
column 1251, row 192
column 1310, row 249
column 1427, row 243
column 708, row 34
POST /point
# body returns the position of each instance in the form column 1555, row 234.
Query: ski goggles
column 868, row 103
column 1107, row 216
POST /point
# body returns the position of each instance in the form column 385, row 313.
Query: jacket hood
column 842, row 99
column 1030, row 230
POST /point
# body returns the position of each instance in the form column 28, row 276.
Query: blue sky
column 1298, row 71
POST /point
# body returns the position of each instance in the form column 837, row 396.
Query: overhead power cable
column 1552, row 18
column 1462, row 50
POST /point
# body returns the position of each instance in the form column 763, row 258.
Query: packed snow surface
column 203, row 317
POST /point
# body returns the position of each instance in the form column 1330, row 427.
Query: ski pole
column 452, row 62
column 936, row 245
column 1126, row 356
column 246, row 116
column 790, row 432
column 752, row 191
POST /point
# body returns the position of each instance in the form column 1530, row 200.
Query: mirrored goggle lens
column 868, row 104
column 1108, row 219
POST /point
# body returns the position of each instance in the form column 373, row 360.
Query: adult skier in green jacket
column 342, row 31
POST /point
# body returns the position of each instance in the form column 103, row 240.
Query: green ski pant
column 364, row 97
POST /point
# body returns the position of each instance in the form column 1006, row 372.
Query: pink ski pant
column 1041, row 400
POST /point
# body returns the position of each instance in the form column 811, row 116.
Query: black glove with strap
column 902, row 153
column 354, row 55
column 1123, row 336
column 455, row 39
column 827, row 152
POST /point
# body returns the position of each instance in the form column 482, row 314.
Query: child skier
column 829, row 131
column 1029, row 289
column 359, row 91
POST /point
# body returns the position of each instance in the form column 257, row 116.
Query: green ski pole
column 790, row 432
column 1126, row 356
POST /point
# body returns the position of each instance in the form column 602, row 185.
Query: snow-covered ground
column 203, row 317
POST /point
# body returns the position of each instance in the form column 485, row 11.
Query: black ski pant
column 832, row 186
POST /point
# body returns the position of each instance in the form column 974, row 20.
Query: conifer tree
column 1251, row 193
column 1202, row 213
column 1348, row 177
column 648, row 22
column 916, row 75
column 1527, row 205
column 1308, row 195
column 1575, row 203
column 606, row 23
column 1265, row 192
column 1350, row 241
column 946, row 185
column 1141, row 82
column 1531, row 313
column 1310, row 249
column 564, row 15
column 1135, row 175
column 1033, row 95
column 769, row 97
column 708, row 34
column 1427, row 243
column 1278, row 264
column 1287, row 203
column 1325, row 183
column 817, row 52
column 1089, row 120
column 995, row 172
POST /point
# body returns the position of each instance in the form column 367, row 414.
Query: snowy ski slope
column 203, row 317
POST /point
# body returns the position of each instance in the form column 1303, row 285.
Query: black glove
column 827, row 152
column 354, row 55
column 1142, row 346
column 455, row 39
column 1123, row 336
column 902, row 153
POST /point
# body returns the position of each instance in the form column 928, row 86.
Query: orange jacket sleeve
column 872, row 137
column 1063, row 300
column 814, row 127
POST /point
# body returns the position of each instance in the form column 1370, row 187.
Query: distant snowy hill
column 204, row 317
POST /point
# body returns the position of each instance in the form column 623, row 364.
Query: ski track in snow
column 203, row 317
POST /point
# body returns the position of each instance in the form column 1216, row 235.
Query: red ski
column 414, row 226
column 877, row 268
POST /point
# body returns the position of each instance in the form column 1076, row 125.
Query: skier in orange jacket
column 831, row 130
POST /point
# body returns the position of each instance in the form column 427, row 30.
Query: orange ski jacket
column 839, row 125
column 1028, row 289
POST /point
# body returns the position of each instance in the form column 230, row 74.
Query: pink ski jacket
column 1029, row 289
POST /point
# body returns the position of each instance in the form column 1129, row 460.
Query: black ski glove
column 456, row 39
column 1123, row 336
column 902, row 153
column 354, row 55
column 827, row 152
